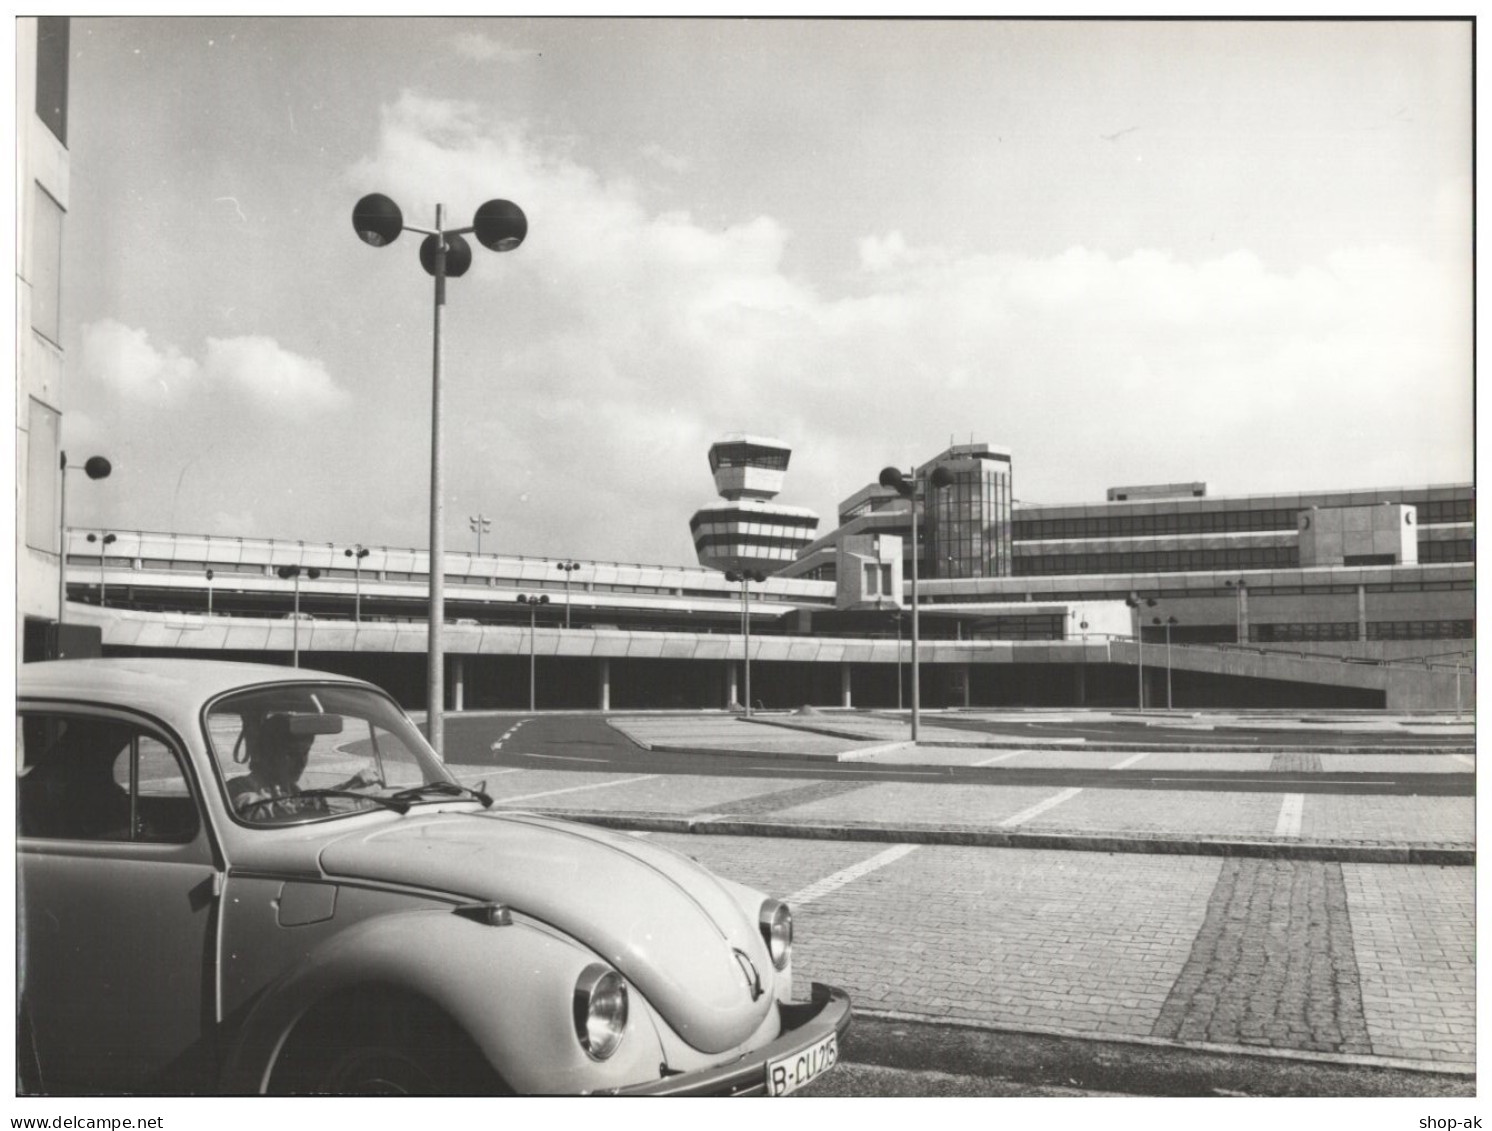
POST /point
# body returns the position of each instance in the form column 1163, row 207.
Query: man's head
column 278, row 754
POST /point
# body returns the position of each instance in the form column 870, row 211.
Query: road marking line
column 574, row 789
column 1291, row 811
column 998, row 758
column 1464, row 758
column 889, row 772
column 1130, row 761
column 1038, row 809
column 848, row 875
column 557, row 757
column 1276, row 781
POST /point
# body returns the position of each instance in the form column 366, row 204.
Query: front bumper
column 803, row 1025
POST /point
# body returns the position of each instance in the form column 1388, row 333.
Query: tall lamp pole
column 533, row 604
column 357, row 554
column 1240, row 589
column 499, row 225
column 97, row 467
column 104, row 543
column 479, row 524
column 569, row 568
column 745, row 577
column 1139, row 604
column 292, row 573
column 1168, row 622
column 209, row 592
column 905, row 484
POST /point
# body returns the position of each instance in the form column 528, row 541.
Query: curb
column 1307, row 1056
column 1316, row 851
column 1124, row 747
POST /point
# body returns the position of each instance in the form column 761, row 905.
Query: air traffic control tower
column 748, row 532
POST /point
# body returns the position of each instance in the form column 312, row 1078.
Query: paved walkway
column 1307, row 924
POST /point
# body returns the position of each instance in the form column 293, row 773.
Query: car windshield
column 292, row 753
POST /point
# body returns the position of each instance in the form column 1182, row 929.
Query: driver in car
column 277, row 758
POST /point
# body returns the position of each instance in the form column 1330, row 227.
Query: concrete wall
column 1329, row 536
column 41, row 162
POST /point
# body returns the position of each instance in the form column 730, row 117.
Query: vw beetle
column 247, row 879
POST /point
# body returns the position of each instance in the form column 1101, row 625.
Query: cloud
column 270, row 377
column 486, row 49
column 1095, row 368
column 253, row 372
column 670, row 161
column 124, row 360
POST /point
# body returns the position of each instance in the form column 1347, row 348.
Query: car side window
column 100, row 779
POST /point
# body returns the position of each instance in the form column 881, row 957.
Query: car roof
column 164, row 686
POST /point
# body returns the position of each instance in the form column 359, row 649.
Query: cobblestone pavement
column 1295, row 953
column 1307, row 957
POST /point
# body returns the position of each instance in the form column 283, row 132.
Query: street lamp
column 97, row 467
column 357, row 554
column 479, row 524
column 103, row 583
column 1168, row 622
column 533, row 604
column 209, row 592
column 1139, row 604
column 1241, row 588
column 905, row 485
column 745, row 576
column 499, row 225
column 569, row 568
column 289, row 573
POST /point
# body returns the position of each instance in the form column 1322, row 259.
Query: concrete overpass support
column 458, row 684
column 844, row 684
column 603, row 678
column 732, row 687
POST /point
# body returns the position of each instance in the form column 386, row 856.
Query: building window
column 51, row 73
column 46, row 265
column 43, row 466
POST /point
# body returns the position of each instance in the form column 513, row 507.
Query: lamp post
column 97, row 467
column 1240, row 588
column 533, row 603
column 479, row 525
column 104, row 543
column 292, row 573
column 569, row 568
column 499, row 225
column 1168, row 622
column 905, row 485
column 209, row 592
column 745, row 577
column 357, row 554
column 1139, row 604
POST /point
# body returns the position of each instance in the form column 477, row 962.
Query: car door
column 117, row 887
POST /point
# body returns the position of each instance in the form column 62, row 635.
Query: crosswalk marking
column 997, row 758
column 1039, row 808
column 1292, row 808
column 847, row 875
column 575, row 789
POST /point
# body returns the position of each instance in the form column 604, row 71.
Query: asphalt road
column 585, row 742
column 1310, row 734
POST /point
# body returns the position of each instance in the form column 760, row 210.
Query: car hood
column 669, row 926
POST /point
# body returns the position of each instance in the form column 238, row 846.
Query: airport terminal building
column 1340, row 598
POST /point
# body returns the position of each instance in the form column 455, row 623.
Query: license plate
column 790, row 1073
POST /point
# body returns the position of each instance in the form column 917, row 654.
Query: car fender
column 509, row 988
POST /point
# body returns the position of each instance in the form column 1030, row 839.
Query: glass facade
column 968, row 522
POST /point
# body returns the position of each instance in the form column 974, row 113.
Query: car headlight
column 600, row 1010
column 776, row 923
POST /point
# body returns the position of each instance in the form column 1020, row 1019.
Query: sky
column 1127, row 251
